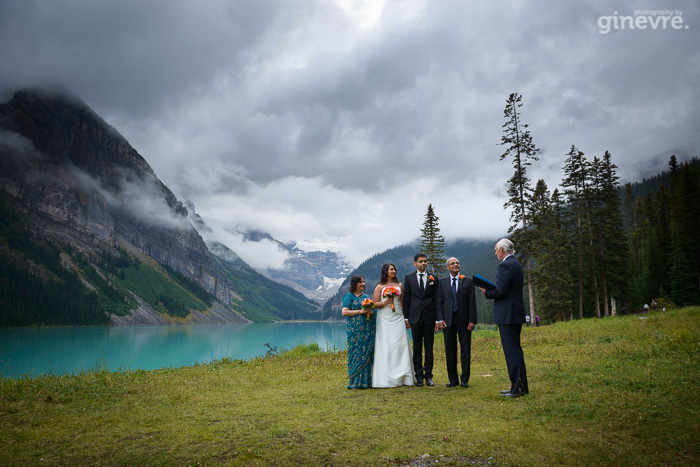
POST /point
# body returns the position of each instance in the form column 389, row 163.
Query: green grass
column 621, row 391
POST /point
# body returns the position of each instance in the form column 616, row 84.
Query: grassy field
column 621, row 391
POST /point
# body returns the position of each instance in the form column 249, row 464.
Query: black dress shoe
column 451, row 385
column 429, row 382
column 419, row 382
column 465, row 385
column 511, row 394
column 505, row 391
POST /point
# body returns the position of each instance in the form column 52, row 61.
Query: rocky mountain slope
column 73, row 188
column 316, row 274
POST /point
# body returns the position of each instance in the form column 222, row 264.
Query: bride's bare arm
column 377, row 297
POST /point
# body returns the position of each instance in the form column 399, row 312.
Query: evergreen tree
column 538, row 219
column 519, row 145
column 576, row 168
column 685, row 222
column 613, row 253
column 662, row 230
column 653, row 247
column 634, row 222
column 628, row 207
column 592, row 207
column 432, row 243
column 539, row 215
column 549, row 250
column 646, row 260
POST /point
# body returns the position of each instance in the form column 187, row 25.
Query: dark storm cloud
column 130, row 56
column 280, row 114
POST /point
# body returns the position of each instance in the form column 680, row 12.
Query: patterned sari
column 360, row 343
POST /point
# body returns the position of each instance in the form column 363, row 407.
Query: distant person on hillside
column 360, row 325
column 393, row 364
column 456, row 315
column 509, row 315
column 420, row 291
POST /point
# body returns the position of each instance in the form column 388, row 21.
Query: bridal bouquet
column 391, row 292
column 367, row 304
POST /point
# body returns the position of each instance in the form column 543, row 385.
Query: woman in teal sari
column 361, row 325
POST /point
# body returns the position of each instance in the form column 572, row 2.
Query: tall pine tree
column 549, row 249
column 576, row 169
column 613, row 253
column 592, row 206
column 432, row 243
column 520, row 147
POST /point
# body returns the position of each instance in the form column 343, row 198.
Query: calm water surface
column 35, row 351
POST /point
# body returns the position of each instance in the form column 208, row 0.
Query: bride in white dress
column 393, row 360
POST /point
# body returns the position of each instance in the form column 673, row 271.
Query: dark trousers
column 423, row 335
column 515, row 359
column 452, row 334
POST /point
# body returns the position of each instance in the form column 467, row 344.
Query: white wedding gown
column 393, row 358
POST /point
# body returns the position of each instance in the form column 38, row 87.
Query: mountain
column 475, row 256
column 316, row 274
column 88, row 226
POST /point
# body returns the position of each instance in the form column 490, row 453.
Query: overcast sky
column 334, row 123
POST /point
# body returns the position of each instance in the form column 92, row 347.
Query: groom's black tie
column 454, row 294
column 422, row 285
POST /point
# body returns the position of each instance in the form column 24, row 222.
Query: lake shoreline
column 69, row 349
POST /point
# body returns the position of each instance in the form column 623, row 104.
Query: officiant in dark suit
column 420, row 290
column 456, row 315
column 509, row 315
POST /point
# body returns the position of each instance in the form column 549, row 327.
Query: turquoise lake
column 59, row 350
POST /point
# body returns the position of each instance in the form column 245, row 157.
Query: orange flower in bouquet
column 367, row 304
column 391, row 292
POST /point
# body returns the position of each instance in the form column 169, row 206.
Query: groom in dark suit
column 509, row 315
column 420, row 290
column 456, row 314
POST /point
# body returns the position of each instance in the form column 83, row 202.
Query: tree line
column 590, row 248
column 663, row 262
column 588, row 252
column 35, row 288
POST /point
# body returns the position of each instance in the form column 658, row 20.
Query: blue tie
column 454, row 294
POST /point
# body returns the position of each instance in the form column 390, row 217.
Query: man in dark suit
column 456, row 315
column 509, row 315
column 420, row 290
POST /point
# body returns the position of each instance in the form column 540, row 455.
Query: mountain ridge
column 81, row 189
column 316, row 274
